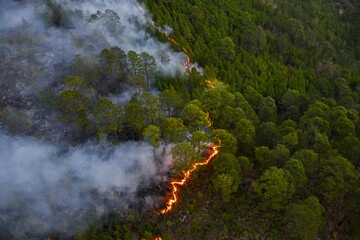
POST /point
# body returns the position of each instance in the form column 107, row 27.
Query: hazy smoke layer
column 43, row 190
column 121, row 23
column 46, row 188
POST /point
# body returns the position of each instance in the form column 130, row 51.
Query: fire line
column 176, row 183
column 173, row 41
column 209, row 82
column 215, row 148
column 141, row 9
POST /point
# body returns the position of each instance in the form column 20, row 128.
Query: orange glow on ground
column 141, row 9
column 208, row 115
column 172, row 40
column 175, row 183
column 187, row 67
column 209, row 82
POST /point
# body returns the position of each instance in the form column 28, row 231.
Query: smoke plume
column 49, row 186
column 70, row 27
column 44, row 189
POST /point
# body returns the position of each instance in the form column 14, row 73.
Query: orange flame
column 141, row 9
column 171, row 39
column 209, row 82
column 184, row 49
column 214, row 153
column 186, row 66
column 175, row 183
column 208, row 115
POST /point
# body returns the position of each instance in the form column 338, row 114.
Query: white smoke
column 132, row 35
column 43, row 187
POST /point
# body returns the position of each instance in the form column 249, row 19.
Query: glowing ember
column 214, row 152
column 208, row 115
column 176, row 183
column 141, row 9
column 209, row 82
column 186, row 66
column 171, row 39
column 187, row 174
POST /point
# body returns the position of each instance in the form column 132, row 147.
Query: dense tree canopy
column 279, row 93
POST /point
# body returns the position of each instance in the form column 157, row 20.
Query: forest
column 276, row 86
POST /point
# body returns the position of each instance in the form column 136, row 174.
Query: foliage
column 184, row 155
column 227, row 174
column 153, row 133
column 226, row 140
column 304, row 219
column 75, row 108
column 339, row 177
column 194, row 117
column 297, row 172
column 173, row 129
column 275, row 188
column 108, row 117
column 285, row 111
